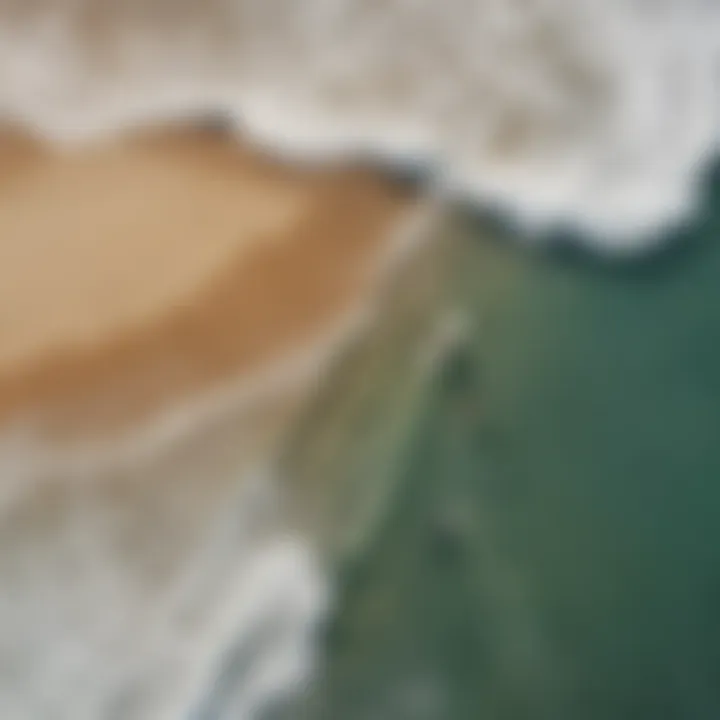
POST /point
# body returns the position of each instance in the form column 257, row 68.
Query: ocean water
column 546, row 544
column 553, row 551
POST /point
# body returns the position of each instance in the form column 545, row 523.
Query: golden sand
column 137, row 272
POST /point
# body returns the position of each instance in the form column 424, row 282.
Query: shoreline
column 285, row 382
column 169, row 486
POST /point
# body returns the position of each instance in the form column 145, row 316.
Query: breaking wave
column 112, row 610
column 591, row 115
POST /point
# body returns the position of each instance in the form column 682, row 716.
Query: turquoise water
column 554, row 551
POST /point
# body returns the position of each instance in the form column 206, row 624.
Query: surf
column 598, row 117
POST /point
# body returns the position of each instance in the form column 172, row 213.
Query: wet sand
column 144, row 271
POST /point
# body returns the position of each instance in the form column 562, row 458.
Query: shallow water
column 556, row 548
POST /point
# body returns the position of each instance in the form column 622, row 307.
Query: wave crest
column 597, row 115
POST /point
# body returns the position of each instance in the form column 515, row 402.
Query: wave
column 189, row 609
column 591, row 115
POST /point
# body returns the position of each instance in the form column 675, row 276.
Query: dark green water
column 554, row 548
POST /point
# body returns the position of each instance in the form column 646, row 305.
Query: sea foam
column 591, row 115
column 104, row 616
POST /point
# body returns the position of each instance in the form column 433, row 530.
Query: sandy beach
column 144, row 534
column 147, row 269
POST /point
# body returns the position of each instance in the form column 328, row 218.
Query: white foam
column 272, row 615
column 86, row 634
column 593, row 114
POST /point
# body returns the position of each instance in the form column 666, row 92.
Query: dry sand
column 139, row 272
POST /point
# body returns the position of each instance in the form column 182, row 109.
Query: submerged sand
column 141, row 271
